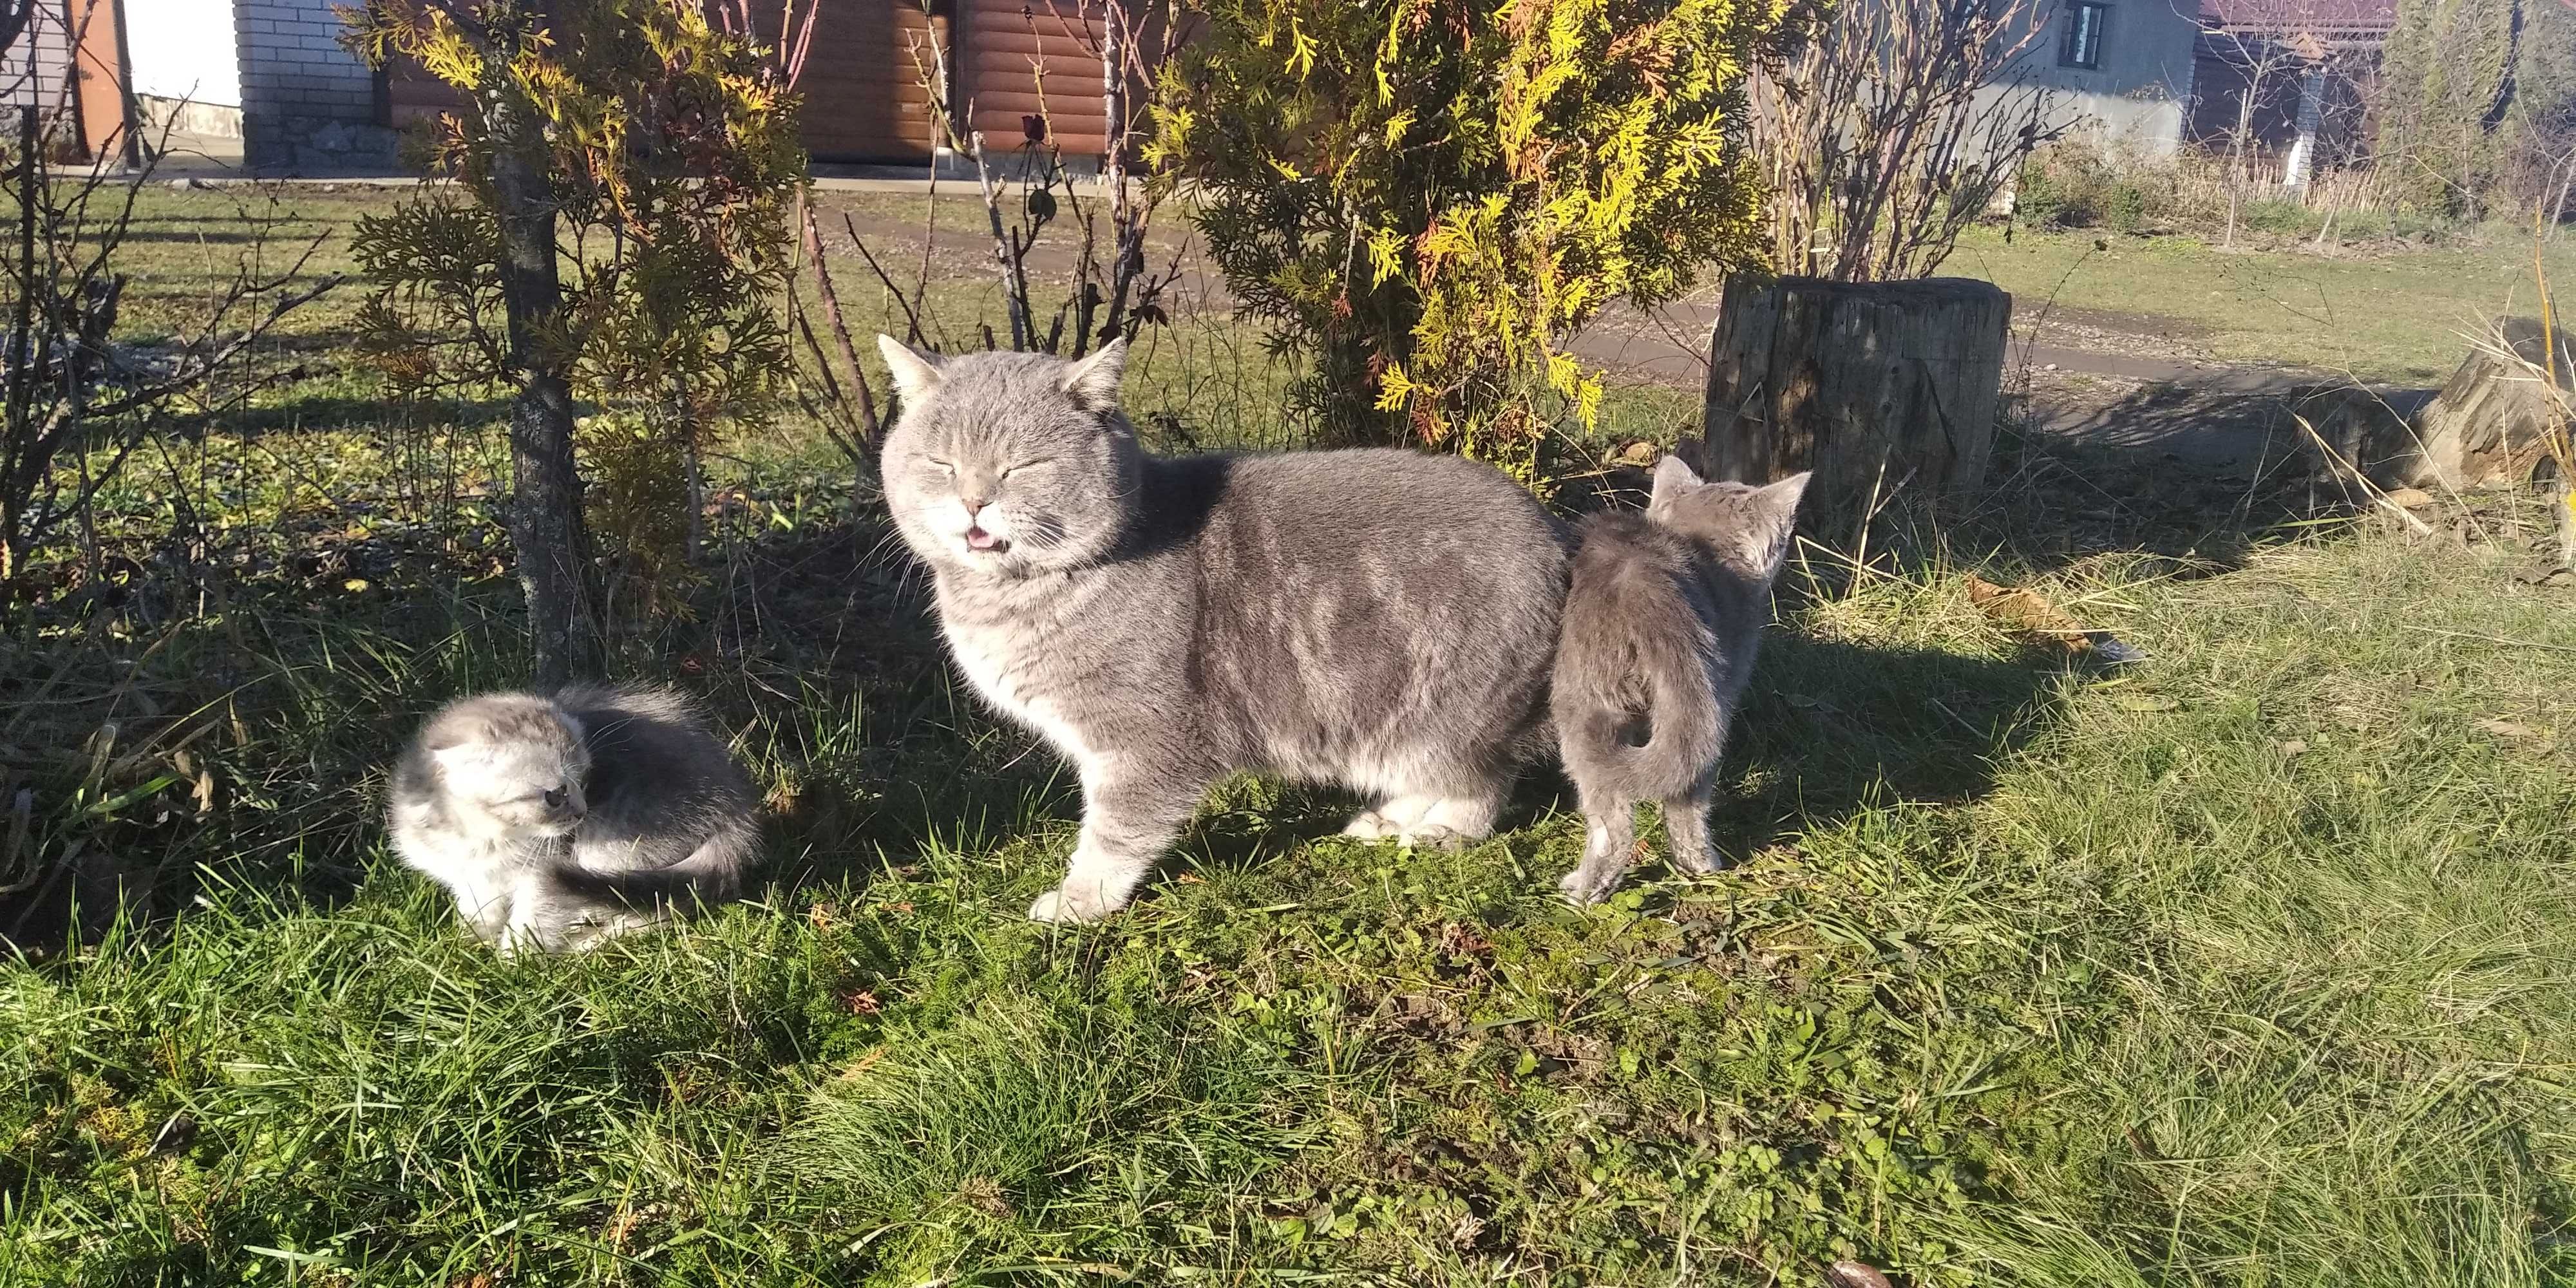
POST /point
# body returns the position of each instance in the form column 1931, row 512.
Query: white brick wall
column 292, row 63
column 40, row 81
column 308, row 106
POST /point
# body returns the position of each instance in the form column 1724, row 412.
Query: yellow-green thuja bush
column 1426, row 198
column 652, row 158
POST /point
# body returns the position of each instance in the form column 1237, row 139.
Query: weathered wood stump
column 2491, row 421
column 1880, row 387
column 2352, row 438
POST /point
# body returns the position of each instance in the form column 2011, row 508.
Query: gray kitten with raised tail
column 1375, row 618
column 558, row 822
column 1661, row 627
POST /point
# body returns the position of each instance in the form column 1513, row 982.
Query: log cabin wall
column 865, row 100
column 1008, row 47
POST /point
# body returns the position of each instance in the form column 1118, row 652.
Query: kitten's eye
column 945, row 467
column 1028, row 465
column 555, row 798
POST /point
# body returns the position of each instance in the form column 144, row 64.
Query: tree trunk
column 546, row 528
column 2491, row 422
column 1878, row 387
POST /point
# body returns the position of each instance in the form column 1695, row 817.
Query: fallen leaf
column 1640, row 453
column 2410, row 498
column 2019, row 608
column 1854, row 1274
column 2293, row 747
column 354, row 584
column 2143, row 702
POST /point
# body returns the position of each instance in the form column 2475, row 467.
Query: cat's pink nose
column 974, row 505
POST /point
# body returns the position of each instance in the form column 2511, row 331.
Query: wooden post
column 1882, row 388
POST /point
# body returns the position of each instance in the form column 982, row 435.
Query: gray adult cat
column 1376, row 618
column 1661, row 627
column 557, row 822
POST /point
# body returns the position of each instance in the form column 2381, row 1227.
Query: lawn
column 2254, row 964
column 2394, row 316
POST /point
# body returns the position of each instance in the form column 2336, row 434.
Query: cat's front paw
column 1584, row 887
column 1062, row 905
column 1372, row 825
column 1432, row 836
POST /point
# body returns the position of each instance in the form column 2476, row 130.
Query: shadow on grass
column 831, row 671
column 1830, row 728
column 351, row 411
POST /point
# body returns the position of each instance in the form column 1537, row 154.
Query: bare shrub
column 1894, row 126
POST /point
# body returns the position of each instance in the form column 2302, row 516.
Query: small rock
column 2411, row 498
column 190, row 184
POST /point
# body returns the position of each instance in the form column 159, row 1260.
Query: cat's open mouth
column 979, row 540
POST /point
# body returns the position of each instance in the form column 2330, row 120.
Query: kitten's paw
column 596, row 928
column 1060, row 906
column 1372, row 826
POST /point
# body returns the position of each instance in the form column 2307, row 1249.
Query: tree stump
column 1880, row 387
column 2491, row 422
column 2353, row 439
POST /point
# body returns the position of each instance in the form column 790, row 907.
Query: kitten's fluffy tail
column 711, row 874
column 1686, row 730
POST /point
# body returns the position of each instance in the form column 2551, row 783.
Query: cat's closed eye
column 1008, row 470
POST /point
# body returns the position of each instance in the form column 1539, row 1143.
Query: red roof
column 2299, row 17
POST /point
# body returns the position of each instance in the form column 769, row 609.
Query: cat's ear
column 1780, row 500
column 916, row 373
column 1093, row 382
column 1672, row 474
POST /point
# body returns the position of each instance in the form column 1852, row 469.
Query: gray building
column 2119, row 71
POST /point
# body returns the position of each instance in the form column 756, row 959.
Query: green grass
column 2253, row 968
column 2252, row 965
column 2402, row 316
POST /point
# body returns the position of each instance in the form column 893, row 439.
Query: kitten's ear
column 461, row 758
column 1672, row 474
column 916, row 373
column 1093, row 382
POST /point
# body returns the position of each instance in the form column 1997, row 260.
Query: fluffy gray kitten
column 1661, row 627
column 1379, row 619
column 557, row 822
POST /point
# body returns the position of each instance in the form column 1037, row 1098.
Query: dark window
column 2084, row 23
